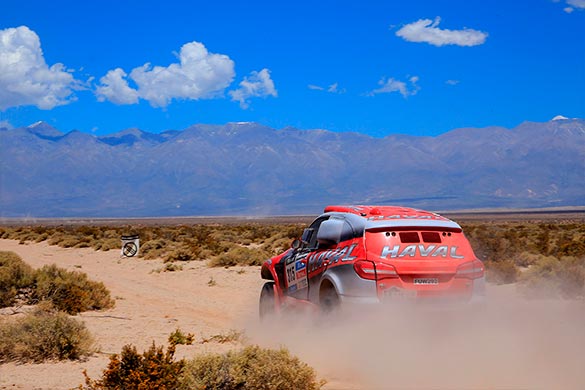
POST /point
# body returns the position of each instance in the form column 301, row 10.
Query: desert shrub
column 71, row 292
column 42, row 336
column 252, row 368
column 180, row 255
column 501, row 272
column 153, row 369
column 239, row 256
column 178, row 337
column 233, row 336
column 551, row 276
column 526, row 259
column 152, row 249
column 172, row 267
column 106, row 244
column 15, row 275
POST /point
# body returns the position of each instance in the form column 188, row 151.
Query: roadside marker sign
column 130, row 246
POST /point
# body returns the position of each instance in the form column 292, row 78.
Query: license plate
column 399, row 293
column 426, row 281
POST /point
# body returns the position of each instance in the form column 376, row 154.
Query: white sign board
column 130, row 246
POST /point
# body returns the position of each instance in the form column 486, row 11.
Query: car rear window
column 409, row 237
column 414, row 238
column 432, row 237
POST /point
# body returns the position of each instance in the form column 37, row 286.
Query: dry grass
column 71, row 292
column 153, row 369
column 547, row 258
column 43, row 335
column 252, row 368
column 67, row 291
column 15, row 277
column 223, row 245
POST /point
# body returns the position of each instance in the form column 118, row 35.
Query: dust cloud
column 507, row 343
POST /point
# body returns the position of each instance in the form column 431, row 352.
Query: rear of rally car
column 422, row 260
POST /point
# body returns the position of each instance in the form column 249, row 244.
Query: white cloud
column 577, row 3
column 333, row 88
column 452, row 82
column 572, row 4
column 114, row 87
column 258, row 84
column 25, row 78
column 426, row 30
column 198, row 75
column 392, row 85
column 5, row 124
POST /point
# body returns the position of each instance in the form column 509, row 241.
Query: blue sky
column 376, row 67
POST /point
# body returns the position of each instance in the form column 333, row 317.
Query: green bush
column 154, row 369
column 15, row 275
column 71, row 292
column 42, row 336
column 252, row 368
column 178, row 337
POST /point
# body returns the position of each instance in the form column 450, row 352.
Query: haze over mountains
column 251, row 169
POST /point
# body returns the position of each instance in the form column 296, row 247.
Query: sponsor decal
column 317, row 260
column 397, row 251
column 296, row 276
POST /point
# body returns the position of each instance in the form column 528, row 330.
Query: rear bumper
column 354, row 290
column 473, row 294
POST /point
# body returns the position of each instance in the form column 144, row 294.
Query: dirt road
column 510, row 343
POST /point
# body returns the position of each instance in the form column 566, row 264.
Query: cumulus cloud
column 25, row 77
column 390, row 85
column 199, row 74
column 576, row 3
column 579, row 4
column 114, row 87
column 258, row 84
column 426, row 30
column 452, row 82
column 333, row 88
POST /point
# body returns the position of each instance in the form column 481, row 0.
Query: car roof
column 380, row 217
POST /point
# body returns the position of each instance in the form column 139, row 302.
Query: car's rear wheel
column 267, row 300
column 328, row 298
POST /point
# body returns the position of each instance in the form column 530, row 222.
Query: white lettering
column 425, row 252
column 441, row 251
column 454, row 253
column 408, row 251
column 348, row 256
column 392, row 252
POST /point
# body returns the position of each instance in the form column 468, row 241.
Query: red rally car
column 373, row 254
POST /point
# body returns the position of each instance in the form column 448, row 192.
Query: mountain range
column 250, row 169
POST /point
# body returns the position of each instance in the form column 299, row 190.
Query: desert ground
column 512, row 342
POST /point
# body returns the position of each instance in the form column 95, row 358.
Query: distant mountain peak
column 559, row 118
column 44, row 129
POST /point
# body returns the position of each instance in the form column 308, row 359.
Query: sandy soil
column 510, row 343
